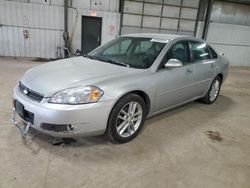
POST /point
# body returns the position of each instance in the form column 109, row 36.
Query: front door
column 91, row 33
column 175, row 84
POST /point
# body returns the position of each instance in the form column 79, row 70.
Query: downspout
column 207, row 18
column 66, row 33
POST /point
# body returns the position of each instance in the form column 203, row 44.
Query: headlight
column 77, row 95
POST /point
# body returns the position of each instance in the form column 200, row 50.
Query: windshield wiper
column 106, row 60
column 116, row 62
column 111, row 61
column 88, row 56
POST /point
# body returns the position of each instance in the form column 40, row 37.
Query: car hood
column 55, row 76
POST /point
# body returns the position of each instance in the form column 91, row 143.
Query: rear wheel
column 213, row 91
column 126, row 118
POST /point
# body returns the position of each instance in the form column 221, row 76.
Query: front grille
column 30, row 93
column 28, row 116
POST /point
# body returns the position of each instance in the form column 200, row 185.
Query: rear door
column 204, row 66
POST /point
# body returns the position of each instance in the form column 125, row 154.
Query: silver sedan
column 114, row 88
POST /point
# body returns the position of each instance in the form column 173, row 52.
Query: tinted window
column 213, row 53
column 199, row 51
column 136, row 52
column 119, row 48
column 179, row 51
column 143, row 47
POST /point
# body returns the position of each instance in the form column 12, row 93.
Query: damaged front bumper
column 24, row 128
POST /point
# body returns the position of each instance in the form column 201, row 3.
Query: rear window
column 213, row 53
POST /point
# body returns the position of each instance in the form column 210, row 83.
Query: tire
column 213, row 91
column 126, row 119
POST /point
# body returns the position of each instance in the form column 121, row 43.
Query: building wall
column 232, row 40
column 44, row 22
column 231, row 13
column 229, row 31
column 110, row 24
column 160, row 16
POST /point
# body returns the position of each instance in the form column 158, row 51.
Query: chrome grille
column 30, row 93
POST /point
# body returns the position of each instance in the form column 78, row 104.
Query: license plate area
column 19, row 108
column 22, row 118
column 26, row 115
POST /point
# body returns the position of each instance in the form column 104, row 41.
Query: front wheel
column 126, row 118
column 213, row 91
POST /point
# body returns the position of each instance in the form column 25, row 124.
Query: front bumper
column 86, row 119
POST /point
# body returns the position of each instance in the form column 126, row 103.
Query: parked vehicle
column 114, row 88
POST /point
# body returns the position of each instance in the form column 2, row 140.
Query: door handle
column 188, row 71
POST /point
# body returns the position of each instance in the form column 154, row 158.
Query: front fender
column 118, row 89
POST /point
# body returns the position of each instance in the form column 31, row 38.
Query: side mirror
column 173, row 63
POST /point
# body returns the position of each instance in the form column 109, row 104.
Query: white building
column 35, row 28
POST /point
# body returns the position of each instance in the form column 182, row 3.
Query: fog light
column 71, row 127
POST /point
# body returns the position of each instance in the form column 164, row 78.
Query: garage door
column 229, row 31
column 161, row 16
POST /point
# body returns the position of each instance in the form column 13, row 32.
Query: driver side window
column 179, row 51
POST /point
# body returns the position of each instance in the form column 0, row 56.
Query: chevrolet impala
column 114, row 88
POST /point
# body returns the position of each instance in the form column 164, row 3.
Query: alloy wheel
column 214, row 90
column 129, row 119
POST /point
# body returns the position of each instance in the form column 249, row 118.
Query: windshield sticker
column 159, row 40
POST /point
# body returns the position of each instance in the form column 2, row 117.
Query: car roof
column 161, row 36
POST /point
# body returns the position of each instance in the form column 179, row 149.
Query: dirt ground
column 196, row 145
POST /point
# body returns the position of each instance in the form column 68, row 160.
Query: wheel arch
column 141, row 93
column 221, row 76
column 144, row 96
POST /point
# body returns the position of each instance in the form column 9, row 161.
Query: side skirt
column 172, row 107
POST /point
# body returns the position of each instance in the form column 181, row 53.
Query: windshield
column 133, row 52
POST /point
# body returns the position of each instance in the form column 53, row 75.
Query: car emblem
column 25, row 91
